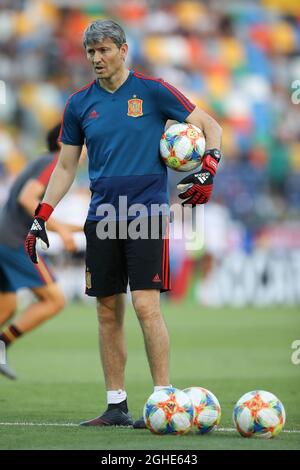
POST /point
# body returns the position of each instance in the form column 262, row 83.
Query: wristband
column 43, row 211
column 210, row 160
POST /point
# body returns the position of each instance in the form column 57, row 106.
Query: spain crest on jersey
column 135, row 107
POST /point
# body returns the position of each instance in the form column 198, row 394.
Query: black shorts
column 111, row 263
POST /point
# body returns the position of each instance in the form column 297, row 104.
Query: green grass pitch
column 228, row 351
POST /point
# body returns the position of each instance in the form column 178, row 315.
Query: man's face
column 106, row 57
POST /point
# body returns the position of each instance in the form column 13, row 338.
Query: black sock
column 122, row 405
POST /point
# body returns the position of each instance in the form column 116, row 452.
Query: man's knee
column 145, row 309
column 58, row 302
column 110, row 310
column 52, row 297
column 55, row 304
column 106, row 304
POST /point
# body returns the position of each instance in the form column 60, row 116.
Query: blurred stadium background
column 239, row 60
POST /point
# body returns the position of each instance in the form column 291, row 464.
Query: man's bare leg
column 8, row 305
column 147, row 306
column 111, row 311
column 50, row 302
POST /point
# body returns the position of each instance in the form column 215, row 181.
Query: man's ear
column 124, row 50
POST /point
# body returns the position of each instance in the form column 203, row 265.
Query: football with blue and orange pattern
column 260, row 414
column 182, row 147
column 207, row 409
column 169, row 411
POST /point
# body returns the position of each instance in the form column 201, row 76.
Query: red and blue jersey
column 122, row 131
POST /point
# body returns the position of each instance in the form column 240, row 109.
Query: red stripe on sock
column 5, row 338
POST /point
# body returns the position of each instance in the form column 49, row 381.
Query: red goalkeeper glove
column 197, row 187
column 38, row 230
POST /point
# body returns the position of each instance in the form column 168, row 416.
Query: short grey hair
column 104, row 29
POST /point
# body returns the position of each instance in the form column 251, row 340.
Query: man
column 16, row 269
column 121, row 116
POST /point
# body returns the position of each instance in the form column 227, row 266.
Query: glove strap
column 210, row 160
column 43, row 211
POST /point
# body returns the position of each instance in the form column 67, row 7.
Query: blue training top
column 122, row 131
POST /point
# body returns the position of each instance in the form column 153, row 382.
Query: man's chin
column 101, row 74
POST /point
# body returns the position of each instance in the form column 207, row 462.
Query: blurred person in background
column 121, row 115
column 16, row 269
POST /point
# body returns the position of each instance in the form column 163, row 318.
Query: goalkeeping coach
column 121, row 116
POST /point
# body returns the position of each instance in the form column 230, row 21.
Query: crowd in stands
column 237, row 60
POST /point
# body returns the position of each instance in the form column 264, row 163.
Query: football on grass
column 260, row 414
column 207, row 409
column 169, row 411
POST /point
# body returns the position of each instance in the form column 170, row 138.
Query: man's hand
column 38, row 230
column 197, row 187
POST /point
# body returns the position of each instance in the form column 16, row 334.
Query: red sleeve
column 47, row 172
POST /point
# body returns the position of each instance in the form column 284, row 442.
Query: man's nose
column 97, row 56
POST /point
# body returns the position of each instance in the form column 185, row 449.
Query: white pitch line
column 294, row 431
column 72, row 425
column 63, row 425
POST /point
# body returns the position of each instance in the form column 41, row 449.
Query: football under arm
column 211, row 129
